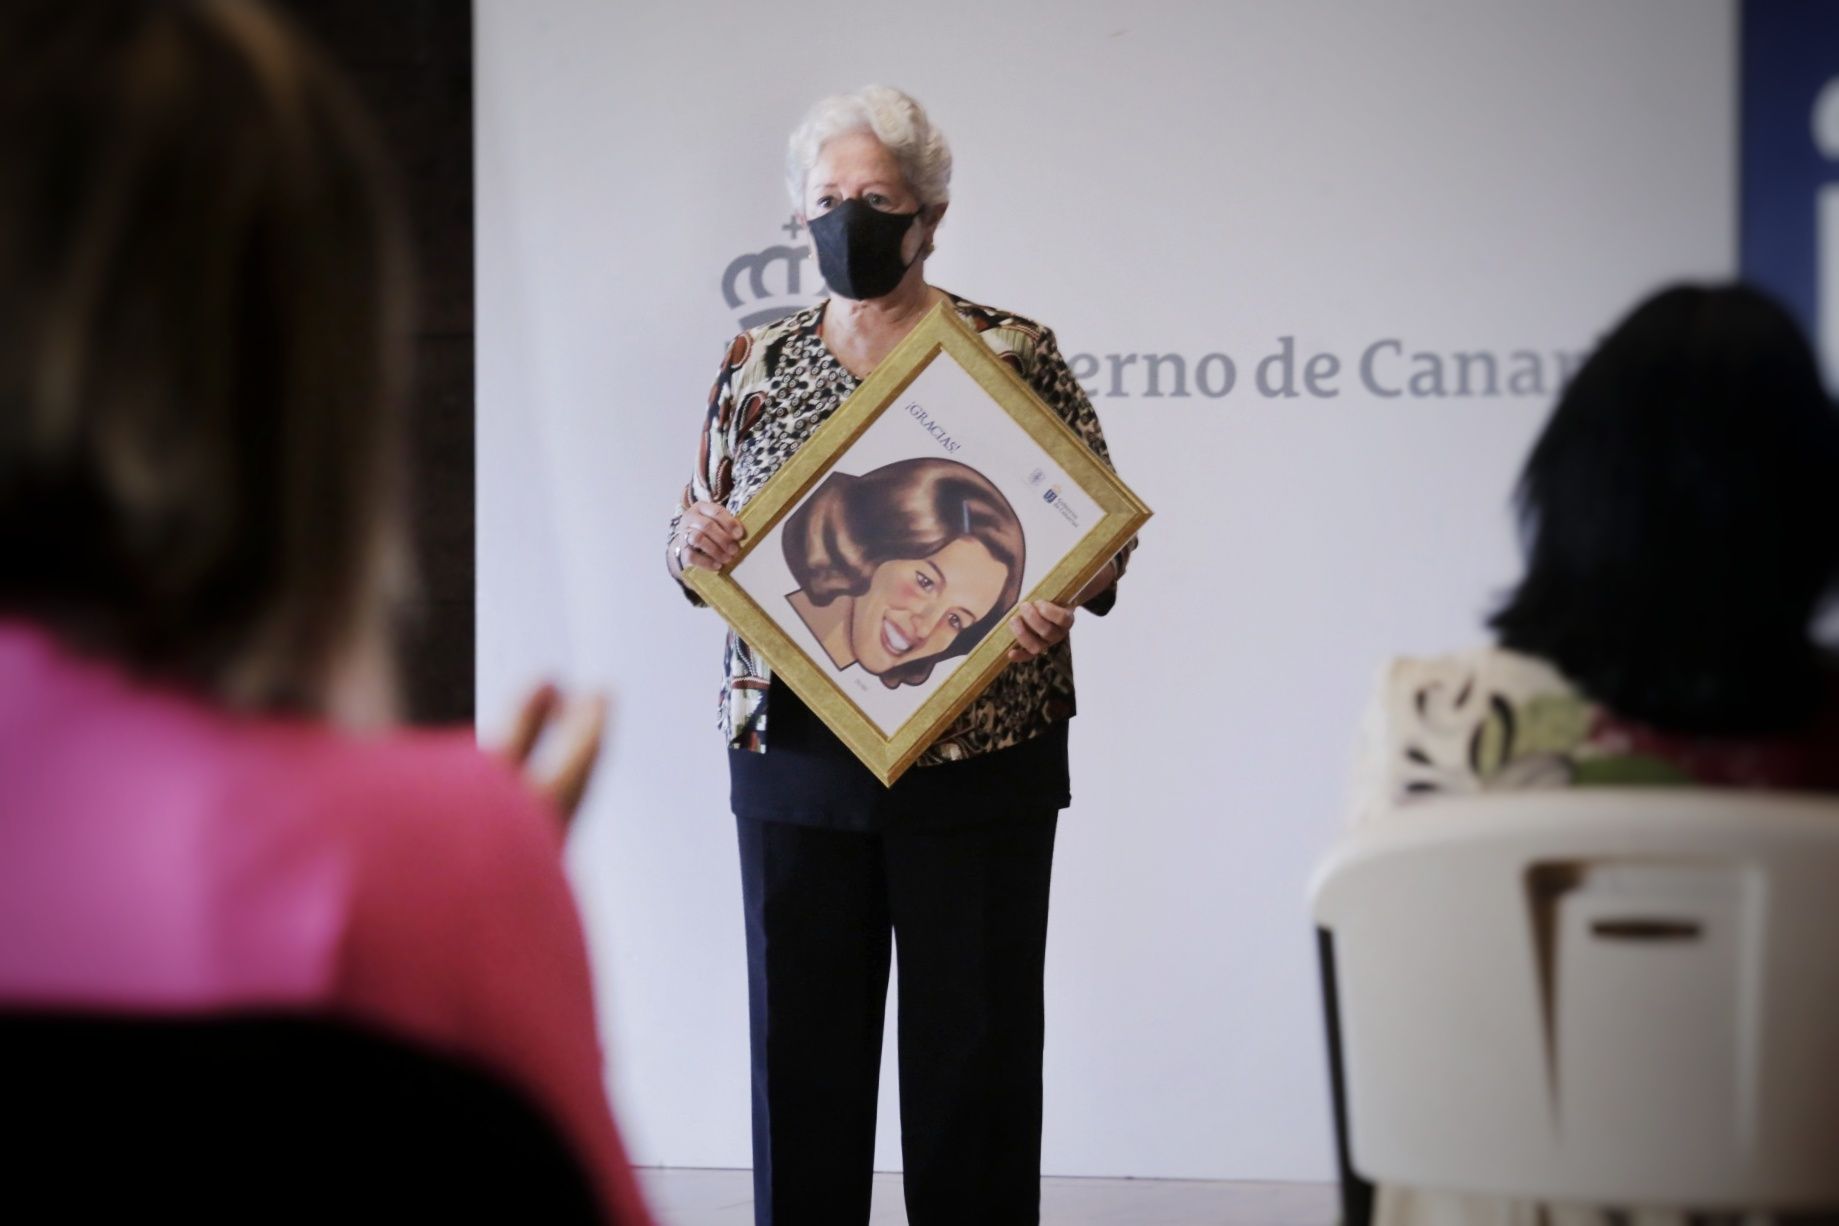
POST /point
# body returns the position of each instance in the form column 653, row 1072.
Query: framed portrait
column 881, row 565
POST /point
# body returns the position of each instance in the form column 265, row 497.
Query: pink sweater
column 158, row 854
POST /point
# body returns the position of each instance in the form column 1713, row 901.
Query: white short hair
column 894, row 119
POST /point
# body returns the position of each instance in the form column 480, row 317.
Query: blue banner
column 1789, row 129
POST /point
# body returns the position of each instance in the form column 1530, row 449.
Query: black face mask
column 858, row 248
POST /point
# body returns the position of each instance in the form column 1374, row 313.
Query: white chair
column 1602, row 996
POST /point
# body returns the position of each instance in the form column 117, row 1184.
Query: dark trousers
column 967, row 909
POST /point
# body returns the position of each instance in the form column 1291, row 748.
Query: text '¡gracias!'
column 936, row 429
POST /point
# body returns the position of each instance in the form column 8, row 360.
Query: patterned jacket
column 778, row 383
column 1492, row 720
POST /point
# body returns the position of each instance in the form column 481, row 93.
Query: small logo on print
column 1037, row 476
column 1051, row 494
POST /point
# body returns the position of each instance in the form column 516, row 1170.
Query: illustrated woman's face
column 916, row 608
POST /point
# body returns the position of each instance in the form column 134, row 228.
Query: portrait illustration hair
column 908, row 509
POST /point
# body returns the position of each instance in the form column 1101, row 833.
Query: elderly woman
column 954, row 859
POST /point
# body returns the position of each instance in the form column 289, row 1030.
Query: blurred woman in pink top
column 202, row 297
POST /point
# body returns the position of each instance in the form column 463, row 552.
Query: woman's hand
column 564, row 781
column 708, row 536
column 1038, row 625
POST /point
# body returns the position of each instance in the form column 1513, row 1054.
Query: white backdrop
column 1147, row 178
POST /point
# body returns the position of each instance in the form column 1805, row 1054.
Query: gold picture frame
column 1060, row 469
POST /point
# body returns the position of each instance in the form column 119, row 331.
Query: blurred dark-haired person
column 1680, row 515
column 202, row 300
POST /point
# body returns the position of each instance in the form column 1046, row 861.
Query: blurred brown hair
column 202, row 301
